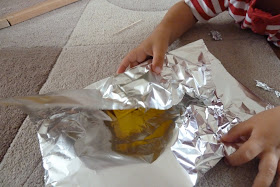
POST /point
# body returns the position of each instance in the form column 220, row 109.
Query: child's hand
column 154, row 46
column 263, row 133
column 178, row 20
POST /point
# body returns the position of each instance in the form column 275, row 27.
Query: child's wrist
column 165, row 31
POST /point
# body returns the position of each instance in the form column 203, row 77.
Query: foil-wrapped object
column 103, row 135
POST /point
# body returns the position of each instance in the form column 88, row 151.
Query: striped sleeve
column 204, row 10
column 277, row 44
column 276, row 39
column 273, row 32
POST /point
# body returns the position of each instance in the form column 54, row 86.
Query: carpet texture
column 144, row 5
column 11, row 6
column 94, row 51
column 51, row 29
column 23, row 72
column 101, row 22
column 28, row 52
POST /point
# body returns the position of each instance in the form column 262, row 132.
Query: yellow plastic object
column 140, row 131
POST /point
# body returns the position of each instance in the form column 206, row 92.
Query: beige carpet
column 8, row 6
column 144, row 5
column 28, row 52
column 93, row 51
column 23, row 72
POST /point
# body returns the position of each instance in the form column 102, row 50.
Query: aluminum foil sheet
column 184, row 112
column 267, row 88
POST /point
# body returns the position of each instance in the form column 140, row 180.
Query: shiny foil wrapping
column 267, row 88
column 216, row 35
column 194, row 97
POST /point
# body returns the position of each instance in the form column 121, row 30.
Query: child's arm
column 178, row 20
column 263, row 133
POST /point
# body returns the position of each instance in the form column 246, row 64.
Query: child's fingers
column 158, row 58
column 141, row 55
column 124, row 64
column 267, row 170
column 278, row 174
column 132, row 58
column 248, row 151
column 242, row 129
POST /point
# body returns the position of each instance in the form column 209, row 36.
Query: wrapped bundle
column 173, row 121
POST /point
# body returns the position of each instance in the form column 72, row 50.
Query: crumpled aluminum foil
column 216, row 35
column 267, row 88
column 76, row 145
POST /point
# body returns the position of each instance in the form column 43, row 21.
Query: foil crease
column 205, row 100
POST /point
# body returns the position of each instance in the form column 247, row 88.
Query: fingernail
column 158, row 70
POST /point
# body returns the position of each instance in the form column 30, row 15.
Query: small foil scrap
column 173, row 121
column 216, row 35
column 267, row 88
column 277, row 93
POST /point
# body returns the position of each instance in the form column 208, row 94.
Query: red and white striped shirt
column 243, row 12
